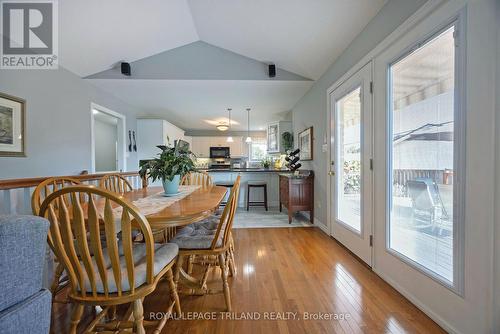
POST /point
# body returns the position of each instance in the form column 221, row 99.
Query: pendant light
column 248, row 139
column 222, row 127
column 229, row 138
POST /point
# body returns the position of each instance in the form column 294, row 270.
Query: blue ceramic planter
column 172, row 187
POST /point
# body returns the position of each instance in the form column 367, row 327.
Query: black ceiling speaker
column 125, row 69
column 272, row 70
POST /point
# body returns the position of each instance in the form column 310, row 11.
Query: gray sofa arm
column 32, row 315
column 23, row 242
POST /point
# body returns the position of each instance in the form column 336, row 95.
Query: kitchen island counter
column 270, row 176
column 243, row 170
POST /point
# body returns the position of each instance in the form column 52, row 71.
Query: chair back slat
column 90, row 252
column 197, row 178
column 68, row 238
column 95, row 240
column 56, row 243
column 230, row 220
column 45, row 188
column 127, row 248
column 112, row 244
column 81, row 241
column 226, row 219
column 115, row 183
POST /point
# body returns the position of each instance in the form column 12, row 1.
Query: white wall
column 106, row 137
column 496, row 283
column 57, row 122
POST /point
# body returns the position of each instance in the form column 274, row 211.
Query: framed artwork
column 305, row 144
column 12, row 123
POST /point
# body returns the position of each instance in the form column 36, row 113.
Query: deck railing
column 15, row 194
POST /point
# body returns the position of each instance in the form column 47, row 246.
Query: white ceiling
column 95, row 34
column 302, row 37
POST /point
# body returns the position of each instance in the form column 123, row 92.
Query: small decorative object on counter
column 266, row 162
column 292, row 160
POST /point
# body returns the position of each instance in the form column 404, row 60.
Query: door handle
column 331, row 173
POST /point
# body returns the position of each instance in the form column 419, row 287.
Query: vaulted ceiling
column 169, row 42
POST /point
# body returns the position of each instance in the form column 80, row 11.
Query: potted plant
column 172, row 163
column 266, row 162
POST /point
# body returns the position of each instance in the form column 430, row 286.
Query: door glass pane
column 422, row 110
column 349, row 159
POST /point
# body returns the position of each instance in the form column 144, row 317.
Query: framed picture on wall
column 12, row 123
column 305, row 144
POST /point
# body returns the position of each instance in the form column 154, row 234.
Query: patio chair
column 425, row 197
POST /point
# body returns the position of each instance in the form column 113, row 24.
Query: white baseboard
column 415, row 301
column 321, row 226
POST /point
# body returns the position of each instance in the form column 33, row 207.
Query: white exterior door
column 350, row 165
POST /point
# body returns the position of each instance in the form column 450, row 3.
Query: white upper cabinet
column 236, row 147
column 153, row 132
column 201, row 146
column 274, row 135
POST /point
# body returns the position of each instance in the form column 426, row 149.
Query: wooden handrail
column 33, row 182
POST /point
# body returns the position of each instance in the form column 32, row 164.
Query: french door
column 350, row 165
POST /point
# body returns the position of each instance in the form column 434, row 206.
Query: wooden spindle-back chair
column 210, row 245
column 197, row 178
column 41, row 192
column 115, row 183
column 47, row 187
column 102, row 269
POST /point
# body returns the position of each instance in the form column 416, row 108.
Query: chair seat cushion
column 163, row 255
column 208, row 224
column 196, row 238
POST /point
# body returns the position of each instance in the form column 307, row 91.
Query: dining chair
column 115, row 183
column 107, row 271
column 42, row 191
column 197, row 178
column 197, row 242
column 47, row 187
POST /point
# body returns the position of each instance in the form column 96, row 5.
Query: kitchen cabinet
column 274, row 136
column 153, row 132
column 296, row 193
column 236, row 147
column 201, row 146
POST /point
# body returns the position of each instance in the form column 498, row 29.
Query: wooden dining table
column 198, row 205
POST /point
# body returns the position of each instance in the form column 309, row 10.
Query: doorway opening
column 108, row 140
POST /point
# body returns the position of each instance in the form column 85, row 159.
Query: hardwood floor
column 290, row 271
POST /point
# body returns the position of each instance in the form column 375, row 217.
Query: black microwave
column 219, row 152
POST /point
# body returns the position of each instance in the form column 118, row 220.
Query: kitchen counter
column 244, row 170
column 270, row 176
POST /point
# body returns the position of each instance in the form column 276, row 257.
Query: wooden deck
column 294, row 270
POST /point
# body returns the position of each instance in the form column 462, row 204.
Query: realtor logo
column 29, row 34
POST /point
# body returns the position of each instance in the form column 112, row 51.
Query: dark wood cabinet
column 297, row 194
